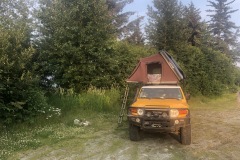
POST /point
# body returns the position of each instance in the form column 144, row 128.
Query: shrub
column 208, row 72
column 23, row 108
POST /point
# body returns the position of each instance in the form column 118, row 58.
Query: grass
column 100, row 107
column 226, row 101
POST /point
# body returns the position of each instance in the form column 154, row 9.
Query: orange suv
column 160, row 108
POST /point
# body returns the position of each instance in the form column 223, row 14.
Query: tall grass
column 100, row 100
column 99, row 106
column 94, row 99
column 224, row 102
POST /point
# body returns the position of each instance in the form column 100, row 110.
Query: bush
column 208, row 72
column 23, row 108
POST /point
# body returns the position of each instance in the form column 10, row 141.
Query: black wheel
column 186, row 135
column 134, row 132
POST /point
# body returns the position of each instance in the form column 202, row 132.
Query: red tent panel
column 167, row 75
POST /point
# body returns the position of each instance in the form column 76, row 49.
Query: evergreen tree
column 75, row 44
column 236, row 52
column 193, row 17
column 206, row 39
column 220, row 24
column 120, row 19
column 135, row 35
column 166, row 28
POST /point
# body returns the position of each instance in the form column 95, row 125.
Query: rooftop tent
column 160, row 68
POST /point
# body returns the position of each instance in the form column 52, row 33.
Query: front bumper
column 159, row 124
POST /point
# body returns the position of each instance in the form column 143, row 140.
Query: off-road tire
column 186, row 135
column 134, row 133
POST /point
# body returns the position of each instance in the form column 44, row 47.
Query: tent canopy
column 160, row 68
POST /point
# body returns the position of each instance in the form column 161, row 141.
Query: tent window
column 154, row 68
column 154, row 72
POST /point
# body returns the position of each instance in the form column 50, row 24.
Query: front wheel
column 134, row 132
column 186, row 135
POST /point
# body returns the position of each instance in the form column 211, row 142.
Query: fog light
column 138, row 120
column 176, row 121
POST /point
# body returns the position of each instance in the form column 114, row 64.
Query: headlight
column 136, row 111
column 140, row 112
column 173, row 113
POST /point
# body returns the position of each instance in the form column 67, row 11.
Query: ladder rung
column 123, row 106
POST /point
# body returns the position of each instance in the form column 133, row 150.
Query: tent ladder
column 123, row 106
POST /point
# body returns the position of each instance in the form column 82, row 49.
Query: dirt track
column 215, row 136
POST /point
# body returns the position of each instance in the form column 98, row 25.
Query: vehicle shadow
column 162, row 136
column 123, row 133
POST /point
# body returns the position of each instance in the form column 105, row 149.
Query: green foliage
column 208, row 72
column 120, row 19
column 134, row 34
column 220, row 23
column 96, row 105
column 76, row 49
column 126, row 57
column 20, row 99
column 193, row 18
column 235, row 53
column 100, row 100
column 218, row 103
column 23, row 106
column 166, row 29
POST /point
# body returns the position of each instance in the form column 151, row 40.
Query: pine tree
column 193, row 17
column 220, row 24
column 236, row 52
column 120, row 19
column 166, row 28
column 134, row 34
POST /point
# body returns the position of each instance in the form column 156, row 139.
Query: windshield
column 160, row 93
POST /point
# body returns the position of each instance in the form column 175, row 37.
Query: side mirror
column 188, row 96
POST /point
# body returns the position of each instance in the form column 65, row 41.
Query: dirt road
column 216, row 135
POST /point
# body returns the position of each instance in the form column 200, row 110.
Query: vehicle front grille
column 156, row 113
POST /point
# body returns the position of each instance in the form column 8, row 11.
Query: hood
column 160, row 103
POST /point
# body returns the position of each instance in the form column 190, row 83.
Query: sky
column 140, row 7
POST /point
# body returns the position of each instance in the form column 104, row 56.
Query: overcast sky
column 140, row 7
